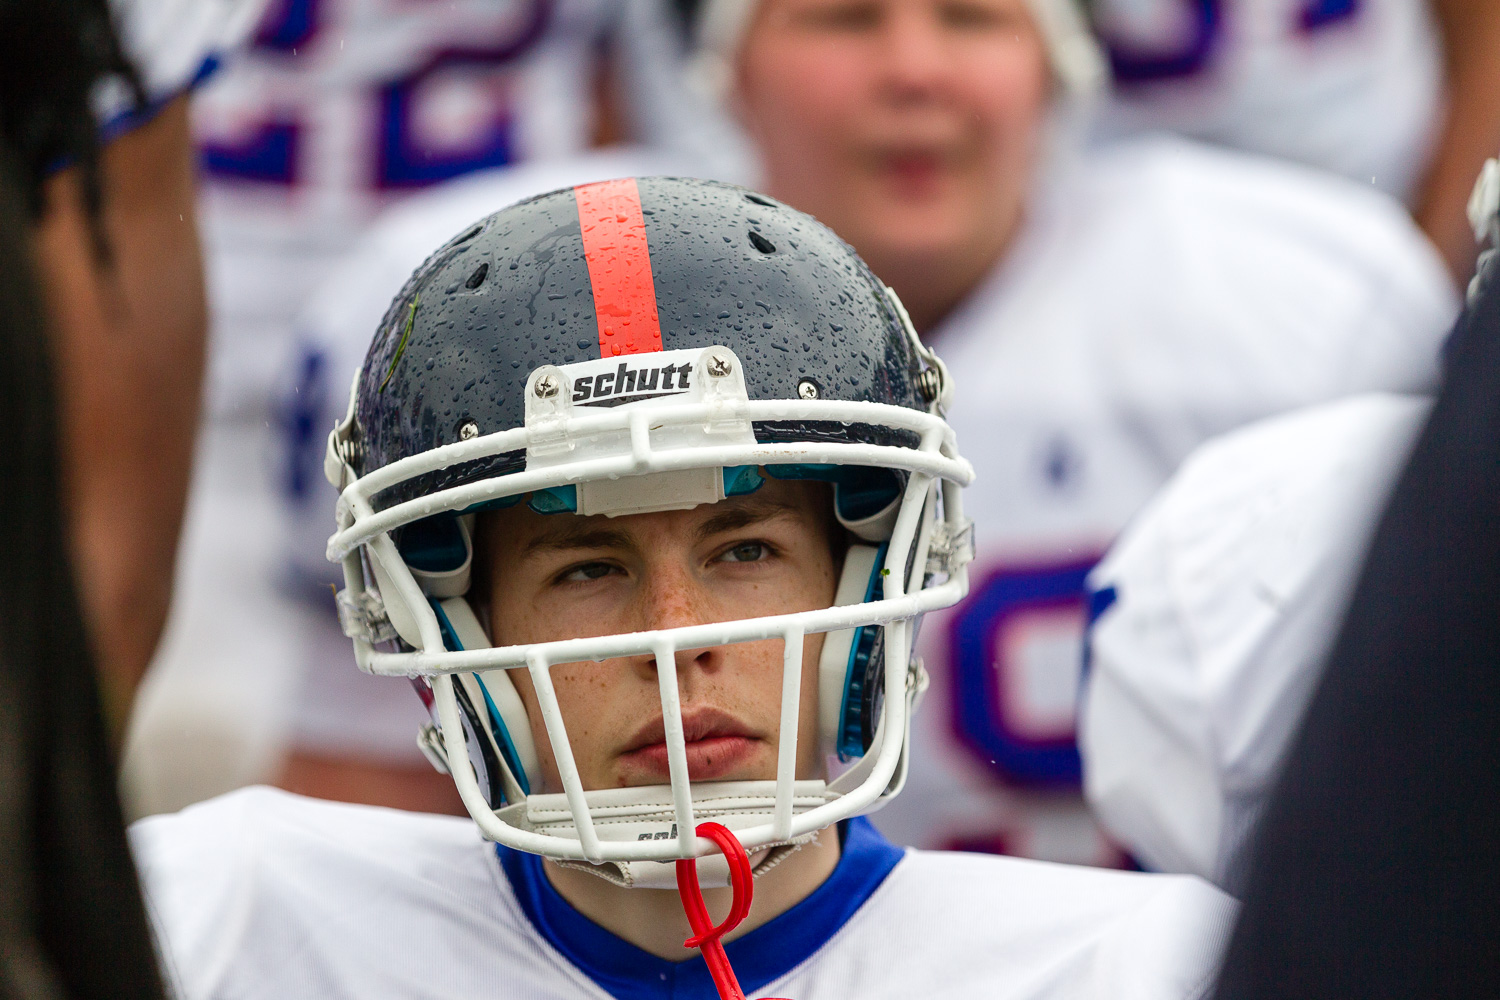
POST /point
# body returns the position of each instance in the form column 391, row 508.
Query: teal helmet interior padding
column 435, row 545
column 506, row 743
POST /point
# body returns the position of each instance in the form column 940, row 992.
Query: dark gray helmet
column 625, row 347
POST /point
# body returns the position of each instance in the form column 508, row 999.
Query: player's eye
column 745, row 552
column 584, row 572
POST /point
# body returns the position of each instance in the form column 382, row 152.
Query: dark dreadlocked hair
column 72, row 924
column 53, row 55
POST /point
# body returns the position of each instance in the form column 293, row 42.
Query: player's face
column 908, row 126
column 562, row 576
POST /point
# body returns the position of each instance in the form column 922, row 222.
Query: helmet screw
column 468, row 430
column 719, row 366
column 929, row 383
column 807, row 389
column 546, row 386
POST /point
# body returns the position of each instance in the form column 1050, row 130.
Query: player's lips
column 717, row 745
column 914, row 171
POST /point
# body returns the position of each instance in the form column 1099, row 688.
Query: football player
column 1222, row 602
column 648, row 484
column 1117, row 306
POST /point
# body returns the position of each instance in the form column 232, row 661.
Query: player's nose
column 914, row 55
column 672, row 597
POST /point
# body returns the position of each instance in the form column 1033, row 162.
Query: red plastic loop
column 705, row 935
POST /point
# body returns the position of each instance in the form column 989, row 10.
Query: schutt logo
column 627, row 385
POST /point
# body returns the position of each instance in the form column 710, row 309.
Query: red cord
column 705, row 935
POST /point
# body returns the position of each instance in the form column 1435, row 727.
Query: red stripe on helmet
column 614, row 242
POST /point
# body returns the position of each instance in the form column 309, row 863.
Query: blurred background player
column 101, row 343
column 122, row 278
column 71, row 919
column 1225, row 597
column 1118, row 306
column 340, row 109
column 1398, row 94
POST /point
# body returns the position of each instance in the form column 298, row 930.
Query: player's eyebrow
column 738, row 513
column 741, row 512
column 578, row 536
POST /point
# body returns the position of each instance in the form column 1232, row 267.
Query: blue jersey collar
column 765, row 954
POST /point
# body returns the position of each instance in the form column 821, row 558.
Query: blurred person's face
column 908, row 126
column 560, row 576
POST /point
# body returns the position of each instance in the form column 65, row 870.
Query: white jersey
column 1353, row 86
column 341, row 108
column 265, row 894
column 1225, row 597
column 1162, row 294
column 173, row 45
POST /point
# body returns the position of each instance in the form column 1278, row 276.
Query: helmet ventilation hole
column 760, row 200
column 761, row 243
column 477, row 278
column 466, row 237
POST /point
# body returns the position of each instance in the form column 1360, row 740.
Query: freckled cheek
column 595, row 710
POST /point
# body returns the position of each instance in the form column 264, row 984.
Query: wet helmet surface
column 726, row 266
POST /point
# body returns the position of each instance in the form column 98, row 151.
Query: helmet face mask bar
column 687, row 432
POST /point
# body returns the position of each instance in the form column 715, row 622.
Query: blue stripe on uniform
column 759, row 958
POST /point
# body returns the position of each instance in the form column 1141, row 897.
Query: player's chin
column 719, row 758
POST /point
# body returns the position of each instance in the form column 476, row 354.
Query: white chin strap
column 646, row 813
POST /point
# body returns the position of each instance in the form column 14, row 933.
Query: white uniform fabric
column 1228, row 593
column 342, row 108
column 1162, row 293
column 264, row 894
column 173, row 45
column 1353, row 86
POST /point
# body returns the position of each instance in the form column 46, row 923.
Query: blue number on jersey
column 1134, row 64
column 402, row 161
column 270, row 153
column 1017, row 629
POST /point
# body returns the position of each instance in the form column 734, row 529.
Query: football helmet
column 625, row 347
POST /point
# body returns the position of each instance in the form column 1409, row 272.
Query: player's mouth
column 718, row 747
column 914, row 173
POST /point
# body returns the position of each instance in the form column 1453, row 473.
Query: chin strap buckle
column 705, row 935
column 430, row 742
column 951, row 549
column 363, row 616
